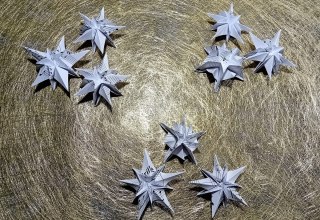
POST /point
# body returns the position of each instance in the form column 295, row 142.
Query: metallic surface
column 62, row 160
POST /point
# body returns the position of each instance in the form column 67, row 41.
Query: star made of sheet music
column 228, row 25
column 269, row 54
column 97, row 30
column 221, row 185
column 55, row 65
column 223, row 64
column 150, row 185
column 101, row 81
column 181, row 140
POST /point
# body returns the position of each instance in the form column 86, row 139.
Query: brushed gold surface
column 62, row 160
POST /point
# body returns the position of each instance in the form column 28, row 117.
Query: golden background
column 62, row 160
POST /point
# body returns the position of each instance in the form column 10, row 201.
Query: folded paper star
column 181, row 140
column 150, row 185
column 55, row 65
column 223, row 64
column 101, row 81
column 228, row 25
column 269, row 54
column 97, row 30
column 221, row 185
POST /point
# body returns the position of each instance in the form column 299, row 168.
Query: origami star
column 98, row 31
column 150, row 185
column 228, row 25
column 221, row 185
column 223, row 64
column 101, row 81
column 269, row 54
column 181, row 141
column 55, row 65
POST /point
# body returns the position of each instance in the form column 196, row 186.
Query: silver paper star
column 223, row 64
column 228, row 25
column 101, row 81
column 269, row 54
column 55, row 65
column 221, row 185
column 181, row 140
column 150, row 185
column 98, row 31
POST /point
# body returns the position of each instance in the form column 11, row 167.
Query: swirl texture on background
column 63, row 160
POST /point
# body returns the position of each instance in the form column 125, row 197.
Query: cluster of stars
column 222, row 63
column 56, row 65
column 151, row 183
